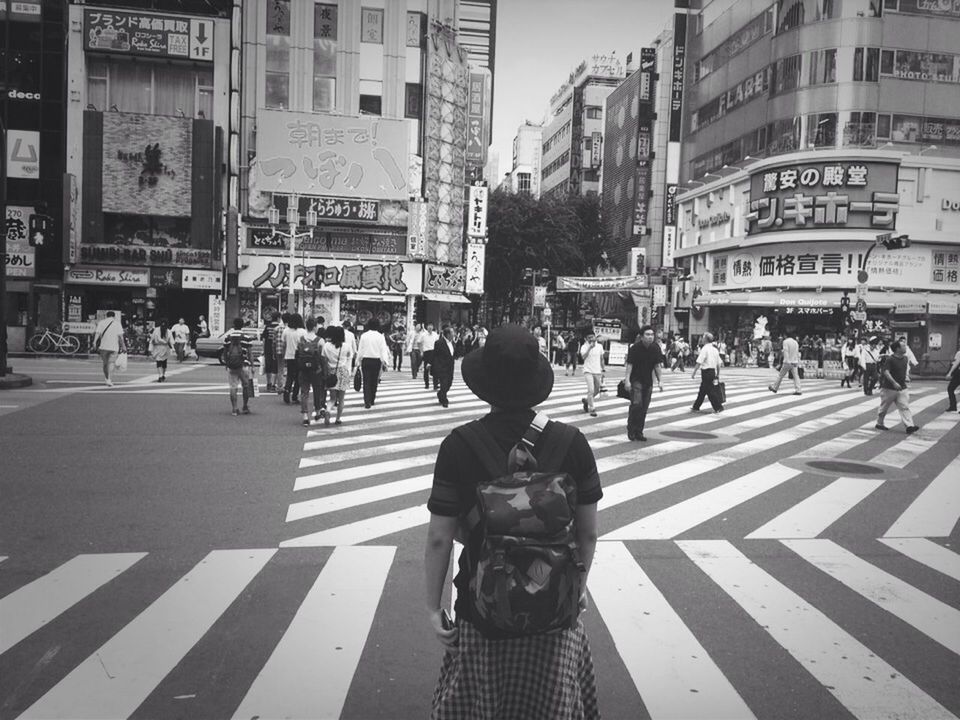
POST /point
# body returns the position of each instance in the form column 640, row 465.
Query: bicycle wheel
column 70, row 344
column 39, row 343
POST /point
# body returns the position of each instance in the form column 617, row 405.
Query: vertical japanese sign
column 670, row 205
column 476, row 132
column 477, row 218
column 642, row 200
column 71, row 218
column 648, row 66
column 20, row 260
column 676, row 80
column 476, row 266
column 669, row 244
column 596, row 149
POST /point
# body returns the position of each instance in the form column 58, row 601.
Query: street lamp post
column 293, row 220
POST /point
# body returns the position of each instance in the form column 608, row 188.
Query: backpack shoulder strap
column 555, row 446
column 479, row 439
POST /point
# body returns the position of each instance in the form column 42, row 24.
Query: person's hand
column 660, row 385
column 693, row 375
column 584, row 601
column 449, row 638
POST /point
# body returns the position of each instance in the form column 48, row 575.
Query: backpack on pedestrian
column 233, row 358
column 308, row 355
column 529, row 573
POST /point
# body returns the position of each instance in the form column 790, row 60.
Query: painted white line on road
column 682, row 516
column 363, row 530
column 672, row 671
column 309, row 672
column 909, row 449
column 358, row 471
column 117, row 678
column 935, row 511
column 935, row 619
column 353, row 498
column 28, row 609
column 926, row 552
column 868, row 687
column 173, row 372
column 814, row 514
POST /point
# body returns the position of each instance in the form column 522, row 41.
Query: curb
column 12, row 381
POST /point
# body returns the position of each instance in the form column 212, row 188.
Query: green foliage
column 563, row 234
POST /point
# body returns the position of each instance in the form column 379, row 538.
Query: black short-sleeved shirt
column 897, row 367
column 458, row 472
column 643, row 360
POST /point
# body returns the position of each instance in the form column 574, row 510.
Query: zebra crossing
column 705, row 567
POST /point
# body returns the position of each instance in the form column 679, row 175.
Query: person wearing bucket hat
column 522, row 675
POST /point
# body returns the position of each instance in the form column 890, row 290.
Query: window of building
column 594, row 112
column 413, row 101
column 150, row 88
column 523, row 182
column 823, row 67
column 861, row 130
column 821, row 130
column 277, row 86
column 371, row 104
column 416, row 29
column 591, row 175
column 324, row 57
column 786, row 74
column 371, row 25
column 783, row 136
column 883, row 126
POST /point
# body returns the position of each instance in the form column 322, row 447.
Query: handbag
column 330, row 378
column 623, row 391
column 357, row 380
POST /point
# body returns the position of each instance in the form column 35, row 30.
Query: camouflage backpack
column 528, row 574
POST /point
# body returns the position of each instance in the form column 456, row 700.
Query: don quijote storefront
column 146, row 218
column 776, row 249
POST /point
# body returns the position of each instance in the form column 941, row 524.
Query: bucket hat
column 508, row 371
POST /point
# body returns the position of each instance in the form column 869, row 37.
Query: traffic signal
column 39, row 228
column 845, row 304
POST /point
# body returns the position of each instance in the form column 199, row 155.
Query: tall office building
column 527, row 149
column 477, row 34
column 814, row 131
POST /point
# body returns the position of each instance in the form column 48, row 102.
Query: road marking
column 353, row 498
column 909, row 449
column 310, row 670
column 867, row 686
column 363, row 530
column 26, row 610
column 358, row 471
column 672, row 671
column 926, row 552
column 147, row 379
column 814, row 514
column 935, row 511
column 935, row 619
column 117, row 678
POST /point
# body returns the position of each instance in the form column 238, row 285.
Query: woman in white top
column 289, row 341
column 374, row 357
column 592, row 355
column 338, row 354
column 161, row 345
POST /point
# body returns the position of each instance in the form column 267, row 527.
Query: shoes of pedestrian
column 798, row 393
column 912, row 429
column 593, row 414
column 337, row 422
column 631, row 436
column 286, row 398
column 246, row 411
column 771, row 389
column 880, row 426
column 295, row 399
column 446, row 404
column 717, row 412
column 585, row 407
column 235, row 413
column 642, row 437
column 326, row 421
column 319, row 415
column 366, row 406
column 694, row 409
column 306, row 422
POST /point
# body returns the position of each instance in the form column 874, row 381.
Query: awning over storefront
column 444, row 297
column 901, row 301
column 376, row 297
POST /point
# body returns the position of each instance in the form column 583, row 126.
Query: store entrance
column 176, row 303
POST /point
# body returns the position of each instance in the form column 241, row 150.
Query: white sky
column 539, row 42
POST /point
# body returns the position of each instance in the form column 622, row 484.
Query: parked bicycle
column 46, row 340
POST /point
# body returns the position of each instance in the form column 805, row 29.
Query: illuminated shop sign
column 831, row 194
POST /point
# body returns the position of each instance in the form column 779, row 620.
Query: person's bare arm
column 436, row 562
column 587, row 540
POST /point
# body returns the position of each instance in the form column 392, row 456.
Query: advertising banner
column 71, row 218
column 443, row 278
column 201, row 280
column 272, row 273
column 676, row 80
column 648, row 66
column 936, row 8
column 923, row 66
column 596, row 149
column 476, row 142
column 147, row 164
column 20, row 259
column 477, row 217
column 23, row 154
column 144, row 255
column 607, row 329
column 352, row 157
column 215, row 315
column 669, row 244
column 129, row 277
column 323, row 239
column 670, row 206
column 945, row 266
column 476, row 266
column 659, row 295
column 826, row 194
column 148, row 34
column 601, row 284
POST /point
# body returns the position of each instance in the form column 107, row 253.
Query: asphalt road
column 163, row 559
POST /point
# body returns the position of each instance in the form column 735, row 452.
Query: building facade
column 847, row 105
column 354, row 136
column 573, row 133
column 31, row 110
column 147, row 111
column 527, row 150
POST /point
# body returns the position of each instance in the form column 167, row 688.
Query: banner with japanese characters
column 274, row 273
column 443, row 278
column 824, row 264
column 476, row 266
column 849, row 194
column 139, row 33
column 477, row 217
column 20, row 260
column 349, row 157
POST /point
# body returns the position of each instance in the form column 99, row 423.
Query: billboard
column 676, row 76
column 477, row 218
column 349, row 157
column 476, row 266
column 148, row 34
column 827, row 194
column 477, row 131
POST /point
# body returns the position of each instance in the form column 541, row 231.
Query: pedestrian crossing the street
column 686, row 601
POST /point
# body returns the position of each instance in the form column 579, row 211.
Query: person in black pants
column 443, row 353
column 374, row 356
column 708, row 363
column 429, row 342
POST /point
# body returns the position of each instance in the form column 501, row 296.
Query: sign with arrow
column 201, row 39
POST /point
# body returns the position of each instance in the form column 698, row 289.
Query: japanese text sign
column 476, row 144
column 477, row 222
column 946, row 266
column 476, row 266
column 828, row 194
column 137, row 33
column 331, row 275
column 676, row 79
column 443, row 278
column 353, row 157
column 350, row 241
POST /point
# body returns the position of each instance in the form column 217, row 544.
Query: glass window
column 413, row 101
column 883, row 126
column 131, row 87
column 415, row 23
column 371, row 25
column 786, row 74
column 822, row 130
column 823, row 67
column 277, row 92
column 324, row 56
column 594, row 112
column 886, row 62
column 370, row 105
column 860, row 131
column 873, row 64
column 97, row 83
column 175, row 91
column 905, row 128
column 858, row 64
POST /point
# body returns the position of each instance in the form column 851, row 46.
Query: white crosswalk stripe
column 370, row 480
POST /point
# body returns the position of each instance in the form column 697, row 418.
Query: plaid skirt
column 539, row 677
